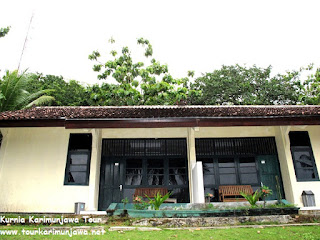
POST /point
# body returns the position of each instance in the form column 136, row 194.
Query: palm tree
column 13, row 95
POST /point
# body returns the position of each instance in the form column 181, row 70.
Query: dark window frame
column 174, row 148
column 308, row 148
column 236, row 160
column 296, row 166
column 88, row 164
column 166, row 174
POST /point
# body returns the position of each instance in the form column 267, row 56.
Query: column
column 95, row 170
column 196, row 187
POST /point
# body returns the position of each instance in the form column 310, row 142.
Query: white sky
column 186, row 35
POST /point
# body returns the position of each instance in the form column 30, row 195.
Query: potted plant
column 252, row 199
column 265, row 191
column 158, row 200
column 208, row 197
column 140, row 204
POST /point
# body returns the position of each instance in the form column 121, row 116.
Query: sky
column 187, row 35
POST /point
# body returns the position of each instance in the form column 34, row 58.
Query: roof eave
column 165, row 122
column 192, row 122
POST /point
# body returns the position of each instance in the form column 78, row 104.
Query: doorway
column 127, row 164
column 239, row 161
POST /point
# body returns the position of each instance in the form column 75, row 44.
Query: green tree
column 111, row 95
column 13, row 93
column 241, row 85
column 4, row 31
column 311, row 93
column 137, row 83
column 70, row 93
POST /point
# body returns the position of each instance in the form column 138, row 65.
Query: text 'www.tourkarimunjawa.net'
column 52, row 232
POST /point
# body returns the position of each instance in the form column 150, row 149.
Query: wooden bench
column 151, row 192
column 231, row 193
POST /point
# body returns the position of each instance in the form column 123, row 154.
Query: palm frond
column 25, row 99
column 13, row 95
column 43, row 100
column 12, row 88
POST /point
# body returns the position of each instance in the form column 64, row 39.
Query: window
column 177, row 171
column 302, row 156
column 248, row 170
column 78, row 159
column 236, row 161
column 208, row 171
column 149, row 163
column 133, row 172
column 155, row 171
column 229, row 171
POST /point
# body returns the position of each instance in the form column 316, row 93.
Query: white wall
column 293, row 188
column 32, row 169
column 33, row 161
column 145, row 133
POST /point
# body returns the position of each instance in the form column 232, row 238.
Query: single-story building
column 53, row 157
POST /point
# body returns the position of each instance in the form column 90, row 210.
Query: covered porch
column 130, row 166
column 238, row 164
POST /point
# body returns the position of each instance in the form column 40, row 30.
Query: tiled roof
column 151, row 112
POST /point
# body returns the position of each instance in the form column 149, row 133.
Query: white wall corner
column 3, row 146
column 196, row 129
column 286, row 163
column 284, row 130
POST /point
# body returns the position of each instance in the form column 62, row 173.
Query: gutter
column 74, row 123
column 192, row 122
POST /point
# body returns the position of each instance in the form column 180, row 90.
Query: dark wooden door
column 269, row 169
column 111, row 182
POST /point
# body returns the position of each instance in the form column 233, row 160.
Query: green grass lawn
column 294, row 232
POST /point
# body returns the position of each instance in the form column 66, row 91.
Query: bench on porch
column 231, row 193
column 151, row 192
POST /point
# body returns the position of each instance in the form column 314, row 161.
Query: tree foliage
column 241, row 85
column 311, row 93
column 233, row 85
column 137, row 83
column 65, row 93
column 4, row 31
column 148, row 82
column 13, row 93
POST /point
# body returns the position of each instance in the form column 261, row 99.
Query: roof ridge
column 184, row 106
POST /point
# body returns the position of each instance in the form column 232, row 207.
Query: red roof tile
column 151, row 112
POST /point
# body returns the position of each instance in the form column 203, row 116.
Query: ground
column 304, row 228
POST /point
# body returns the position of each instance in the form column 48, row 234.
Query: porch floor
column 310, row 211
column 93, row 213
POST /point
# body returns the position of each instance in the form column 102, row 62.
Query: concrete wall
column 32, row 168
column 33, row 161
column 224, row 132
column 145, row 133
column 293, row 188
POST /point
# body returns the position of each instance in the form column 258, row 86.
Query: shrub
column 252, row 199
